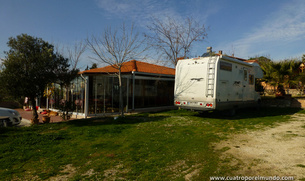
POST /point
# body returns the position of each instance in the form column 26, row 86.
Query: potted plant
column 46, row 117
column 48, row 92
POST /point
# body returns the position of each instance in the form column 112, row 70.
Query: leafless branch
column 174, row 39
column 117, row 46
column 75, row 53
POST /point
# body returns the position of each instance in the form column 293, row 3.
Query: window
column 225, row 66
column 258, row 86
column 245, row 75
column 251, row 79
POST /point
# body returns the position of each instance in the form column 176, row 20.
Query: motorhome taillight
column 178, row 102
column 209, row 105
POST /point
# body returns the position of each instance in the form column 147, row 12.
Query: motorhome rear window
column 225, row 66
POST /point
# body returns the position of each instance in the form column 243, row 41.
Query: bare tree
column 75, row 53
column 174, row 38
column 115, row 47
column 67, row 75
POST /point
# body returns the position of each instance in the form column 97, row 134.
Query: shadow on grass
column 96, row 121
column 135, row 119
column 252, row 113
column 159, row 116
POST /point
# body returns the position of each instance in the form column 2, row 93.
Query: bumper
column 200, row 106
column 196, row 108
column 15, row 120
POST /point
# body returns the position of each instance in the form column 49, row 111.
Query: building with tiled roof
column 144, row 85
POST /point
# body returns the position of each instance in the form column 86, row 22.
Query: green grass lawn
column 167, row 145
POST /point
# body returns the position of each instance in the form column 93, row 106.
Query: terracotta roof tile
column 250, row 61
column 133, row 65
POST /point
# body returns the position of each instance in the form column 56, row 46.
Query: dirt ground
column 274, row 151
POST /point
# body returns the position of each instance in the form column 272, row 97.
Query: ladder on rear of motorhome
column 211, row 76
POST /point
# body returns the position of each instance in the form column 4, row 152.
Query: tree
column 115, row 47
column 282, row 73
column 68, row 74
column 74, row 57
column 29, row 66
column 65, row 75
column 4, row 96
column 285, row 72
column 175, row 38
column 303, row 58
column 94, row 66
column 75, row 53
column 266, row 65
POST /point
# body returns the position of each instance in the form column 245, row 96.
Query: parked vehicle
column 4, row 120
column 216, row 82
column 9, row 117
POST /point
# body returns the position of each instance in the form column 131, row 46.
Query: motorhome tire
column 204, row 113
column 230, row 112
column 259, row 105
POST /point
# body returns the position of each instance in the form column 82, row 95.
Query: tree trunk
column 35, row 115
column 121, row 94
column 67, row 92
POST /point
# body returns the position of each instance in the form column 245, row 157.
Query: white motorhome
column 216, row 82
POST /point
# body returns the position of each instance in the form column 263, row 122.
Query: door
column 246, row 93
column 190, row 82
